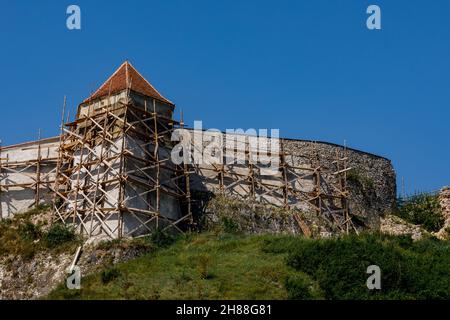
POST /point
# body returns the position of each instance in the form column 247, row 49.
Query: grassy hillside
column 230, row 266
column 204, row 266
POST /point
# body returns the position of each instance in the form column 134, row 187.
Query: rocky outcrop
column 29, row 279
column 34, row 278
column 444, row 200
column 396, row 226
column 231, row 214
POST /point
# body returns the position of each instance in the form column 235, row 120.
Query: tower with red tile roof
column 126, row 83
column 115, row 177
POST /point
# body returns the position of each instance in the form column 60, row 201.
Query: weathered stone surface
column 228, row 214
column 372, row 183
column 21, row 279
column 396, row 226
column 444, row 200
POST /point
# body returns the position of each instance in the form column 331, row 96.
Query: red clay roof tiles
column 126, row 76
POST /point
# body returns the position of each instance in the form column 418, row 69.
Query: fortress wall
column 371, row 182
column 18, row 175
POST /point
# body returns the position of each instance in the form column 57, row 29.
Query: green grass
column 232, row 266
column 204, row 266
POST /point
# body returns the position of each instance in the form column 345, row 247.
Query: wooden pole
column 120, row 205
column 99, row 167
column 156, row 156
column 345, row 190
column 284, row 166
column 59, row 163
column 186, row 178
column 78, row 169
column 38, row 171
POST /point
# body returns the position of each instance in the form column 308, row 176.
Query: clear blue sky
column 310, row 68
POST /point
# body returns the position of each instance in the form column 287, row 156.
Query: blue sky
column 310, row 68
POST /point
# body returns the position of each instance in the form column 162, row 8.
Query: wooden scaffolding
column 115, row 176
column 301, row 183
column 35, row 174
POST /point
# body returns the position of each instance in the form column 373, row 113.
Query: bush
column 356, row 177
column 409, row 269
column 161, row 238
column 229, row 226
column 300, row 287
column 109, row 275
column 29, row 231
column 18, row 236
column 422, row 209
column 58, row 235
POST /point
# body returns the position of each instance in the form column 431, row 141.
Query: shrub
column 108, row 244
column 409, row 269
column 18, row 236
column 356, row 177
column 161, row 238
column 21, row 237
column 58, row 235
column 109, row 275
column 27, row 250
column 300, row 287
column 29, row 231
column 422, row 209
column 229, row 226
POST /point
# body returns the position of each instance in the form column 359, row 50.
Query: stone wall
column 371, row 181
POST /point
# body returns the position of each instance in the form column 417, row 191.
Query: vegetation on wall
column 357, row 177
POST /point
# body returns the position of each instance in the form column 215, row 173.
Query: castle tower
column 114, row 174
